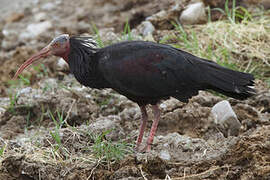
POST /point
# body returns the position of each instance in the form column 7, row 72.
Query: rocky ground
column 51, row 127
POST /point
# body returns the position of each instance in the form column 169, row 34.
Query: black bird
column 145, row 72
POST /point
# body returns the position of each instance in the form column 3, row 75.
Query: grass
column 58, row 122
column 105, row 151
column 126, row 35
column 41, row 70
column 240, row 46
column 2, row 150
column 13, row 97
column 25, row 79
column 98, row 38
column 108, row 150
column 233, row 14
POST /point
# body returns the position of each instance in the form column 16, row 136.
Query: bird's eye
column 62, row 40
column 56, row 44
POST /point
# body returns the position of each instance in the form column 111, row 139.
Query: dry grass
column 243, row 46
column 76, row 150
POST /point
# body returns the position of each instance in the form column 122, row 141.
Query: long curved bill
column 41, row 54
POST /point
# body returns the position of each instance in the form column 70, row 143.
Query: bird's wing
column 150, row 70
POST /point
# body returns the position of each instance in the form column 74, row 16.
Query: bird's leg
column 143, row 125
column 150, row 139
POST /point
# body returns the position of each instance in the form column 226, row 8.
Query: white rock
column 107, row 34
column 165, row 155
column 48, row 6
column 40, row 16
column 146, row 28
column 39, row 28
column 61, row 64
column 2, row 110
column 26, row 90
column 193, row 14
column 33, row 30
column 226, row 118
column 5, row 32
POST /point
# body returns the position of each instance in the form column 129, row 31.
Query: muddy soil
column 188, row 145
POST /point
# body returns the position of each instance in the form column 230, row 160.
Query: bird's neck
column 84, row 65
column 83, row 62
column 66, row 53
column 65, row 57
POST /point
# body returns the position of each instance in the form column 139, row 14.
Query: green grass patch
column 2, row 150
column 98, row 38
column 109, row 151
column 58, row 122
column 126, row 35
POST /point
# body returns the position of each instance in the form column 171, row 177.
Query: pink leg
column 150, row 139
column 142, row 127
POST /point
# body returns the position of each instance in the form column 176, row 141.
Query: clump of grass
column 240, row 46
column 233, row 14
column 2, row 150
column 58, row 124
column 127, row 32
column 59, row 151
column 109, row 151
column 41, row 70
column 98, row 38
column 12, row 102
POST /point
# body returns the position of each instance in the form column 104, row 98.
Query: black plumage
column 145, row 72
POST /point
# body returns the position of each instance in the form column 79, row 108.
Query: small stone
column 40, row 17
column 160, row 19
column 61, row 64
column 8, row 45
column 48, row 6
column 226, row 118
column 26, row 90
column 194, row 14
column 146, row 28
column 2, row 110
column 34, row 30
column 108, row 35
column 165, row 155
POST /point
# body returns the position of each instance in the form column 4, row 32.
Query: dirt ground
column 188, row 145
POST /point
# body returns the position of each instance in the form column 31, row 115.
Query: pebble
column 146, row 28
column 226, row 118
column 194, row 14
column 48, row 6
column 40, row 16
column 34, row 30
column 165, row 155
column 26, row 90
column 61, row 64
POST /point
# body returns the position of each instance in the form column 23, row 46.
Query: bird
column 145, row 72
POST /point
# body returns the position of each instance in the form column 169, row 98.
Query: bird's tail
column 231, row 83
